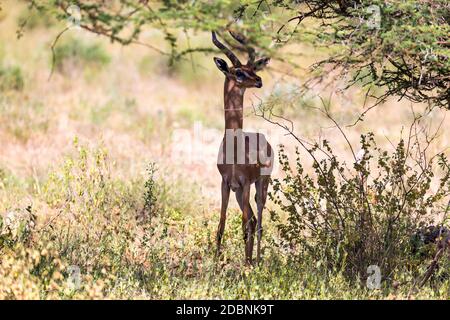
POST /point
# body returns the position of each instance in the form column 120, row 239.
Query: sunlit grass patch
column 11, row 78
column 23, row 122
column 13, row 189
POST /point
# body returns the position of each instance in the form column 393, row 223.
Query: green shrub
column 347, row 219
column 33, row 19
column 11, row 78
column 86, row 219
column 74, row 53
column 151, row 206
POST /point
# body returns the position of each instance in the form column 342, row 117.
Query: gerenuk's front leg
column 223, row 214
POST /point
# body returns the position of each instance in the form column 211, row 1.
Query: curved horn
column 234, row 60
column 244, row 42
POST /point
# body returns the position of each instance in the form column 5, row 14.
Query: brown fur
column 250, row 163
column 239, row 176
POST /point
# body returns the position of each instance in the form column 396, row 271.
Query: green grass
column 11, row 78
column 33, row 19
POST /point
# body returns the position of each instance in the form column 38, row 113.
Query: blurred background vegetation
column 101, row 136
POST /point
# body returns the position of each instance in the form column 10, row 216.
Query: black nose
column 258, row 84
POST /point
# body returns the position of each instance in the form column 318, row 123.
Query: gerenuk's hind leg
column 252, row 221
column 262, row 184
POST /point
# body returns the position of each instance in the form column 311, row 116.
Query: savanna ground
column 108, row 181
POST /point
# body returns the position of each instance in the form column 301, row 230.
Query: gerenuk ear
column 221, row 65
column 261, row 63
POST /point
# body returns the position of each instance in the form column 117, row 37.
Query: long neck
column 233, row 105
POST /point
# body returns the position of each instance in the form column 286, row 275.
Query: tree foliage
column 402, row 46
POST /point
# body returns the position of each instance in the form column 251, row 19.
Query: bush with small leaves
column 351, row 218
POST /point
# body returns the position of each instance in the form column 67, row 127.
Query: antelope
column 249, row 160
